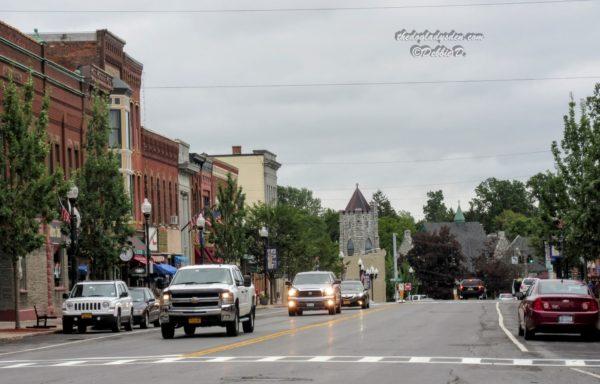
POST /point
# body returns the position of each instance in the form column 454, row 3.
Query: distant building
column 187, row 170
column 470, row 235
column 257, row 174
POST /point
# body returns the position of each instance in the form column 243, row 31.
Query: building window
column 127, row 130
column 70, row 159
column 114, row 140
column 117, row 100
column 368, row 245
column 350, row 248
column 57, row 271
column 158, row 210
column 131, row 192
column 51, row 159
column 206, row 202
column 57, row 154
column 76, row 158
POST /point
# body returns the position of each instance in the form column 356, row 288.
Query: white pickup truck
column 208, row 295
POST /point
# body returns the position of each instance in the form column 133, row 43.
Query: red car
column 558, row 306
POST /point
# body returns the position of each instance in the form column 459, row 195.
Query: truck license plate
column 310, row 305
column 565, row 319
column 346, row 301
column 194, row 320
column 86, row 315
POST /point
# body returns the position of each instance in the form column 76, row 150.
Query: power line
column 371, row 83
column 316, row 9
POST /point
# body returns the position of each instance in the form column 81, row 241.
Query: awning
column 142, row 259
column 164, row 269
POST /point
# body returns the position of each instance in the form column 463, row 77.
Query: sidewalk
column 8, row 332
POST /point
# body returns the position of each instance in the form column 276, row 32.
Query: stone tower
column 359, row 229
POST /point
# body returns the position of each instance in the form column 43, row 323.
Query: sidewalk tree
column 28, row 193
column 387, row 227
column 300, row 198
column 227, row 218
column 104, row 205
column 435, row 210
column 384, row 205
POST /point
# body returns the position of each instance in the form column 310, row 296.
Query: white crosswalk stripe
column 370, row 359
column 419, row 360
column 119, row 362
column 20, row 365
column 70, row 363
column 270, row 359
column 321, row 359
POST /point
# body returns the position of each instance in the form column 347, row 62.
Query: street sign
column 397, row 280
column 408, row 287
column 514, row 259
column 126, row 255
column 271, row 259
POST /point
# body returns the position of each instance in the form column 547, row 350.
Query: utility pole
column 395, row 255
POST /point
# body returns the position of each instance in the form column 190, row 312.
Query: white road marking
column 471, row 360
column 321, row 358
column 270, row 359
column 575, row 363
column 78, row 341
column 522, row 362
column 370, row 359
column 419, row 360
column 20, row 365
column 586, row 373
column 169, row 360
column 70, row 363
column 221, row 359
column 119, row 362
column 512, row 338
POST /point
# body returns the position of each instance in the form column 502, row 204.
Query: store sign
column 272, row 259
column 152, row 233
column 126, row 255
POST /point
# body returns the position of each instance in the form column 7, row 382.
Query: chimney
column 236, row 149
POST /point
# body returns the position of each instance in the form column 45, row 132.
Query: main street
column 429, row 342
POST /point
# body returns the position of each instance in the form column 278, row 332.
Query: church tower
column 359, row 229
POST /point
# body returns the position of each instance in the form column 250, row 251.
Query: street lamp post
column 264, row 234
column 372, row 272
column 200, row 223
column 361, row 270
column 146, row 210
column 72, row 195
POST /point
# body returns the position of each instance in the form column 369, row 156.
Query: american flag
column 64, row 214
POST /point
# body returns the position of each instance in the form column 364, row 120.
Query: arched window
column 350, row 248
column 368, row 245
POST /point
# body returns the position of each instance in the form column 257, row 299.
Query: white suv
column 98, row 303
column 208, row 295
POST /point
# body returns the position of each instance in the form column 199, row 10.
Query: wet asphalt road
column 430, row 342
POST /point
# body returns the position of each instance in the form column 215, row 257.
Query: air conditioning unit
column 174, row 220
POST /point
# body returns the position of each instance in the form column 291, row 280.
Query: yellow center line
column 279, row 334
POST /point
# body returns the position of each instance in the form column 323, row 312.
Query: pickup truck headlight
column 105, row 304
column 293, row 292
column 329, row 291
column 166, row 298
column 227, row 298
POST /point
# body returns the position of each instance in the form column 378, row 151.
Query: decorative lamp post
column 264, row 234
column 200, row 224
column 147, row 210
column 372, row 272
column 72, row 195
column 361, row 270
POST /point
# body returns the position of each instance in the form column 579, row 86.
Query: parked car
column 146, row 309
column 527, row 283
column 564, row 306
column 472, row 288
column 506, row 297
column 97, row 303
column 206, row 296
column 313, row 291
column 354, row 294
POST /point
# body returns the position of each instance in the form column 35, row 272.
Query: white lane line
column 169, row 360
column 220, row 359
column 119, row 362
column 419, row 359
column 512, row 338
column 78, row 341
column 522, row 362
column 471, row 360
column 586, row 373
column 321, row 358
column 270, row 359
column 20, row 365
column 69, row 363
column 575, row 363
column 370, row 359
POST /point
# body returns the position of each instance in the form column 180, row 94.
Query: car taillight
column 480, row 287
column 591, row 305
column 538, row 306
column 461, row 287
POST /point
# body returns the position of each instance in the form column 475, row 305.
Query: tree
column 514, row 224
column 494, row 196
column 437, row 261
column 28, row 193
column 104, row 205
column 435, row 210
column 299, row 198
column 497, row 274
column 332, row 224
column 228, row 222
column 577, row 159
column 383, row 204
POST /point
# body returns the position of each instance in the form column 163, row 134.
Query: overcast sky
column 329, row 138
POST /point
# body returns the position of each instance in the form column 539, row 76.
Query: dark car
column 314, row 291
column 146, row 309
column 354, row 294
column 561, row 306
column 472, row 288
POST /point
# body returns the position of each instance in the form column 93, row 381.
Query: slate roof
column 357, row 201
column 470, row 235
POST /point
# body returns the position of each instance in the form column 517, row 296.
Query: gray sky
column 329, row 138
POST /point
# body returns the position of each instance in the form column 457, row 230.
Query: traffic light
column 529, row 259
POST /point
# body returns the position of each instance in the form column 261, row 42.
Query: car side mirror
column 337, row 281
column 65, row 296
column 123, row 294
column 520, row 295
column 247, row 281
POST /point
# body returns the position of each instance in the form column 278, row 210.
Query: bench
column 40, row 318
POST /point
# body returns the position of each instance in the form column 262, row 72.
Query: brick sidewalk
column 8, row 332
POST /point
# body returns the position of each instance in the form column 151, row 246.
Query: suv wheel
column 529, row 335
column 116, row 326
column 233, row 327
column 291, row 312
column 167, row 330
column 332, row 310
column 145, row 321
column 338, row 309
column 67, row 325
column 248, row 325
column 129, row 323
column 189, row 330
column 81, row 328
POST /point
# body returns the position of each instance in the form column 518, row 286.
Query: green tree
column 494, row 196
column 300, row 198
column 435, row 209
column 387, row 227
column 332, row 224
column 514, row 224
column 577, row 159
column 227, row 220
column 383, row 204
column 104, row 205
column 28, row 194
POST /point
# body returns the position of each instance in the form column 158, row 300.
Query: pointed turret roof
column 459, row 217
column 357, row 201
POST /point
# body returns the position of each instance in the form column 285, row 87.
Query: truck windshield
column 203, row 276
column 312, row 278
column 94, row 290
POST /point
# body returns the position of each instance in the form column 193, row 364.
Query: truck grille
column 87, row 306
column 199, row 294
column 313, row 293
column 196, row 305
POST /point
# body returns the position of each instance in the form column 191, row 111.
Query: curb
column 18, row 337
